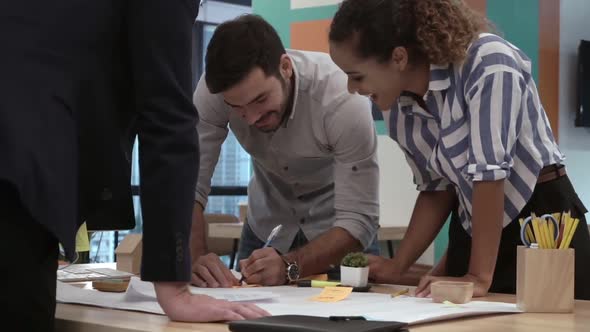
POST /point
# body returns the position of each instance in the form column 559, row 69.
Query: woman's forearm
column 430, row 213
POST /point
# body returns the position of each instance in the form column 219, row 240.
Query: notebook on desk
column 86, row 272
column 299, row 323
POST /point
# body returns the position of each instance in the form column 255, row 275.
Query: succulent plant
column 355, row 259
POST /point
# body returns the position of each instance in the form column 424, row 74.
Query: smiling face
column 262, row 100
column 382, row 81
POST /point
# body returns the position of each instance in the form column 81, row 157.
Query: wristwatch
column 292, row 270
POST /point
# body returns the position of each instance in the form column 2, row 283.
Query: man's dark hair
column 237, row 47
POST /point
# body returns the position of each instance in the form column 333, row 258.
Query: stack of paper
column 283, row 300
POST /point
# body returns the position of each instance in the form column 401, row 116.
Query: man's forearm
column 325, row 251
column 488, row 212
column 430, row 213
column 198, row 239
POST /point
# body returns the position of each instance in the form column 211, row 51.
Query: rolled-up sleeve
column 495, row 117
column 212, row 129
column 351, row 135
column 424, row 179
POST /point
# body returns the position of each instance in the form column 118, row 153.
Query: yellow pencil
column 552, row 234
column 571, row 234
column 545, row 232
column 538, row 234
column 557, row 216
column 566, row 232
column 400, row 293
column 527, row 232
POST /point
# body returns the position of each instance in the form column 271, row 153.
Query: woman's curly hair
column 438, row 31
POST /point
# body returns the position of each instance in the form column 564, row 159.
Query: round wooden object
column 113, row 285
column 457, row 292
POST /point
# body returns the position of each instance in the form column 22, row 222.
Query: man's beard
column 286, row 103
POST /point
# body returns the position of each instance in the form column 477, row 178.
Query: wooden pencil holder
column 545, row 280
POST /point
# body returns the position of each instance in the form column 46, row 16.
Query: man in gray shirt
column 313, row 149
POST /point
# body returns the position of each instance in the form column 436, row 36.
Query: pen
column 400, row 293
column 271, row 236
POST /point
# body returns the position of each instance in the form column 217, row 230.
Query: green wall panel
column 278, row 14
column 518, row 22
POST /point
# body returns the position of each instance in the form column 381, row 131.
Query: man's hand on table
column 209, row 271
column 264, row 267
column 180, row 305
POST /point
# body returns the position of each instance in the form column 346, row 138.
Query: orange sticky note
column 333, row 294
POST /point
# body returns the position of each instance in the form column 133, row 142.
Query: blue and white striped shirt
column 484, row 122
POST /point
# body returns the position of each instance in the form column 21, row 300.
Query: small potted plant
column 354, row 270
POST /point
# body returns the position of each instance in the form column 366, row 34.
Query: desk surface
column 71, row 317
column 234, row 231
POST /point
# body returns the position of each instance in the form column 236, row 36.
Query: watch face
column 293, row 272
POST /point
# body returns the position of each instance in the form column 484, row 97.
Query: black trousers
column 553, row 196
column 28, row 273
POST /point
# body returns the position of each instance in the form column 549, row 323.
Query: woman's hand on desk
column 180, row 305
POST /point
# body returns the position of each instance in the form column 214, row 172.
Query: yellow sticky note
column 82, row 243
column 333, row 294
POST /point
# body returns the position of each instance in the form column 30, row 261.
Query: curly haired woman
column 467, row 114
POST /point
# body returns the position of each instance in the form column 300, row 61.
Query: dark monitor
column 583, row 109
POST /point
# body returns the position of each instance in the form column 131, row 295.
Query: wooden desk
column 234, row 231
column 70, row 317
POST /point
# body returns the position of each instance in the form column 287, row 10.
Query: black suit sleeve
column 159, row 38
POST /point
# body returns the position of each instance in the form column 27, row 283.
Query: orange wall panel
column 549, row 60
column 310, row 35
column 478, row 5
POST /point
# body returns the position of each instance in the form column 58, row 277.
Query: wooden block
column 545, row 280
column 129, row 254
column 458, row 292
column 112, row 285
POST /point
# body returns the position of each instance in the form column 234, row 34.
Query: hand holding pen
column 264, row 266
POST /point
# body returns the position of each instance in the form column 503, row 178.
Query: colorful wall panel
column 532, row 25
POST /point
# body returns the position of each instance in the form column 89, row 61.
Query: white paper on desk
column 142, row 290
column 414, row 310
column 66, row 293
column 373, row 306
column 295, row 301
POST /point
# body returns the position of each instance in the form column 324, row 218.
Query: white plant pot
column 354, row 276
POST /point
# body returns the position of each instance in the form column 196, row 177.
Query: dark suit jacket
column 78, row 80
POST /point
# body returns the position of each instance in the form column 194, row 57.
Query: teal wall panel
column 278, row 14
column 518, row 22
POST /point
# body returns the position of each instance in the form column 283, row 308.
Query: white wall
column 397, row 192
column 219, row 12
column 574, row 142
column 299, row 4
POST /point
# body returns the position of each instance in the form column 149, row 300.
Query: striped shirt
column 483, row 121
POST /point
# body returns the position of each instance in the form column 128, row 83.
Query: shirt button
column 302, row 220
column 286, row 168
column 354, row 168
